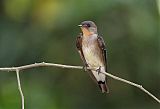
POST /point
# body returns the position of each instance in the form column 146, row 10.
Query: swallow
column 92, row 50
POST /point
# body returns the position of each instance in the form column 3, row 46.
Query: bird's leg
column 98, row 70
column 85, row 67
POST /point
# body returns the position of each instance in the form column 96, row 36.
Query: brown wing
column 79, row 48
column 101, row 45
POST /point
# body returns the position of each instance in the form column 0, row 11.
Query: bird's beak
column 80, row 25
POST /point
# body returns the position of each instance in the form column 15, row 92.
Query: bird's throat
column 86, row 32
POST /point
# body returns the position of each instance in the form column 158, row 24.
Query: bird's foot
column 98, row 70
column 85, row 68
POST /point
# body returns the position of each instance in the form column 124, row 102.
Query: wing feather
column 102, row 47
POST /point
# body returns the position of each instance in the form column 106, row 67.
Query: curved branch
column 133, row 84
column 43, row 64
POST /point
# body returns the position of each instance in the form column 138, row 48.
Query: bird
column 92, row 50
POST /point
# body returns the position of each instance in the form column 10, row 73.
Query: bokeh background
column 45, row 30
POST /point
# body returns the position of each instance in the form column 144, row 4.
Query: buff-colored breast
column 92, row 52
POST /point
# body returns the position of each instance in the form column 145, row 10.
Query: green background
column 45, row 30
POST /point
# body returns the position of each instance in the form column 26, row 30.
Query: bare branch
column 43, row 64
column 133, row 84
column 20, row 89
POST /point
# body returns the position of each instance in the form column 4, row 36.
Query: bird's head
column 88, row 28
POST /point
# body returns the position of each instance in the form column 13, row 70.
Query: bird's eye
column 88, row 25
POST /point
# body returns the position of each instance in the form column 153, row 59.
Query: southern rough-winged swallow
column 92, row 50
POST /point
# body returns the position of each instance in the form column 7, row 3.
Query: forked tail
column 103, row 86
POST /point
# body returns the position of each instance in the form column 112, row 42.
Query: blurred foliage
column 45, row 30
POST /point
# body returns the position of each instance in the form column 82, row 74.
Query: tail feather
column 103, row 86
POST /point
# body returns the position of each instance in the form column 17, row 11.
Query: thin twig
column 43, row 64
column 20, row 89
column 133, row 84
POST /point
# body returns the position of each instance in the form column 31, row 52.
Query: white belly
column 94, row 60
column 92, row 56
